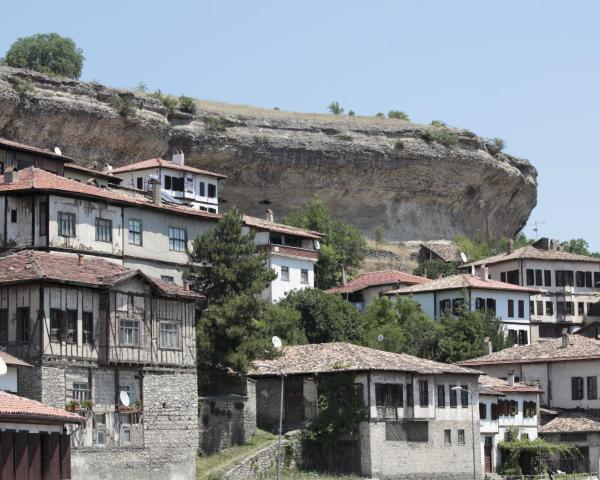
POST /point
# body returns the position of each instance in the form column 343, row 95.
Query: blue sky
column 525, row 71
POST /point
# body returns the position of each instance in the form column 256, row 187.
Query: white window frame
column 81, row 391
column 304, row 276
column 103, row 230
column 67, row 222
column 166, row 342
column 134, row 236
column 129, row 332
column 177, row 239
column 285, row 273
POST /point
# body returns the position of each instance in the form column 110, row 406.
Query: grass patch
column 215, row 124
column 210, row 466
column 292, row 474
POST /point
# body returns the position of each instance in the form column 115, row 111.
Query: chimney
column 178, row 158
column 487, row 346
column 269, row 215
column 483, row 273
column 511, row 378
column 79, row 259
column 186, row 285
column 107, row 168
column 11, row 175
column 156, row 191
column 566, row 339
column 509, row 248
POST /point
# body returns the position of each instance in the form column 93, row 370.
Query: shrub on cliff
column 398, row 114
column 335, row 108
column 187, row 104
column 442, row 135
column 47, row 53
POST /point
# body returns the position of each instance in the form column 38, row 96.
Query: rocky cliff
column 370, row 171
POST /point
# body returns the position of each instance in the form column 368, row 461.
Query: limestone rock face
column 370, row 171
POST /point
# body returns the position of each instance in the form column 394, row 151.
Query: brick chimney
column 178, row 158
column 186, row 285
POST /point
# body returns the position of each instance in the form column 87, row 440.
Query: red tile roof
column 19, row 407
column 32, row 265
column 12, row 361
column 460, row 281
column 373, row 279
column 162, row 163
column 28, row 148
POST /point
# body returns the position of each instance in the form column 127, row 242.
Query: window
column 596, row 279
column 441, row 396
column 88, row 327
column 580, row 279
column 490, row 305
column 592, row 388
column 529, row 409
column 521, row 305
column 423, row 393
column 304, row 276
column 495, row 411
column 588, row 280
column 523, row 337
column 129, row 332
column 457, row 305
column 389, row 395
column 547, row 278
column 482, row 411
column 538, row 278
column 3, row 326
column 508, row 408
column 168, row 183
column 593, row 309
column 531, row 307
column 71, row 326
column 140, row 183
column 410, row 399
column 480, row 304
column 512, row 277
column 577, row 388
column 569, row 310
column 13, row 215
column 447, row 437
column 212, row 190
column 43, row 219
column 167, row 278
column 126, row 436
column 66, row 224
column 23, row 324
column 549, row 308
column 529, row 275
column 135, row 231
column 453, row 397
column 563, row 278
column 103, row 230
column 81, row 391
column 511, row 309
column 503, row 277
column 461, row 437
column 540, row 307
column 464, row 396
column 169, row 335
column 573, row 437
column 581, row 308
column 100, row 438
column 201, row 189
column 408, row 431
column 285, row 274
column 177, row 239
column 512, row 335
column 57, row 324
column 445, row 306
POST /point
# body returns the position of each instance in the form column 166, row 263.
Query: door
column 487, row 454
column 294, row 402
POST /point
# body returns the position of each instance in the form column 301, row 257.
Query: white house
column 180, row 182
column 568, row 285
column 504, row 404
column 506, row 302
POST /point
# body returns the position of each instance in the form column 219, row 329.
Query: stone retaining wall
column 260, row 464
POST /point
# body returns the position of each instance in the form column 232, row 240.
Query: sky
column 525, row 71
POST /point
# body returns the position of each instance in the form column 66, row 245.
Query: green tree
column 325, row 318
column 378, row 233
column 343, row 247
column 398, row 114
column 351, row 113
column 577, row 245
column 225, row 267
column 47, row 53
column 436, row 268
column 379, row 115
column 284, row 322
column 335, row 108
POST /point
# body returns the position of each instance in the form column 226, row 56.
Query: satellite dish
column 463, row 257
column 124, row 397
column 277, row 343
column 3, row 367
column 57, row 151
column 380, row 338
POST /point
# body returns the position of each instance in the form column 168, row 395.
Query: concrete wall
column 279, row 287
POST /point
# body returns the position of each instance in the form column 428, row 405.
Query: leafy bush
column 351, row 113
column 335, row 108
column 123, row 105
column 22, row 86
column 438, row 123
column 170, row 102
column 47, row 53
column 347, row 138
column 442, row 135
column 435, row 268
column 187, row 104
column 499, row 143
column 215, row 124
column 398, row 114
column 379, row 115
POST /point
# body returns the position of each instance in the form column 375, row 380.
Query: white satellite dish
column 380, row 338
column 463, row 257
column 57, row 151
column 277, row 343
column 3, row 367
column 124, row 397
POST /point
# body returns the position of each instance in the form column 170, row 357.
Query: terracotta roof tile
column 531, row 252
column 572, row 422
column 501, row 386
column 384, row 277
column 28, row 148
column 13, row 361
column 31, row 265
column 339, row 357
column 160, row 162
column 579, row 348
column 15, row 406
column 460, row 281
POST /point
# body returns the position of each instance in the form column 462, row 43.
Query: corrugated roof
column 384, row 277
column 460, row 281
column 31, row 265
column 531, row 252
column 501, row 386
column 572, row 422
column 579, row 348
column 20, row 407
column 30, row 149
column 340, row 357
column 162, row 163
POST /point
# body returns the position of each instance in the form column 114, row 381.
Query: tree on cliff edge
column 47, row 53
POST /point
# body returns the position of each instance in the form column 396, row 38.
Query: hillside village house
column 93, row 331
column 415, row 427
column 504, row 301
column 444, row 251
column 367, row 287
column 567, row 371
column 504, row 404
column 568, row 285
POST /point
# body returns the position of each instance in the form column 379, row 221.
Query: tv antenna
column 535, row 226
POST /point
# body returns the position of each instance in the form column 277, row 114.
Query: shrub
column 141, row 87
column 399, row 145
column 123, row 105
column 438, row 123
column 379, row 115
column 187, row 104
column 442, row 135
column 22, row 86
column 215, row 124
column 398, row 114
column 335, row 108
column 170, row 102
column 351, row 113
column 499, row 143
column 347, row 138
column 47, row 53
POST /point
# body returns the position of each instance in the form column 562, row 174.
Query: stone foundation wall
column 261, row 464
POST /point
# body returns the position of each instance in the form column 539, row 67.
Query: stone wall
column 29, row 382
column 260, row 465
column 267, row 403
